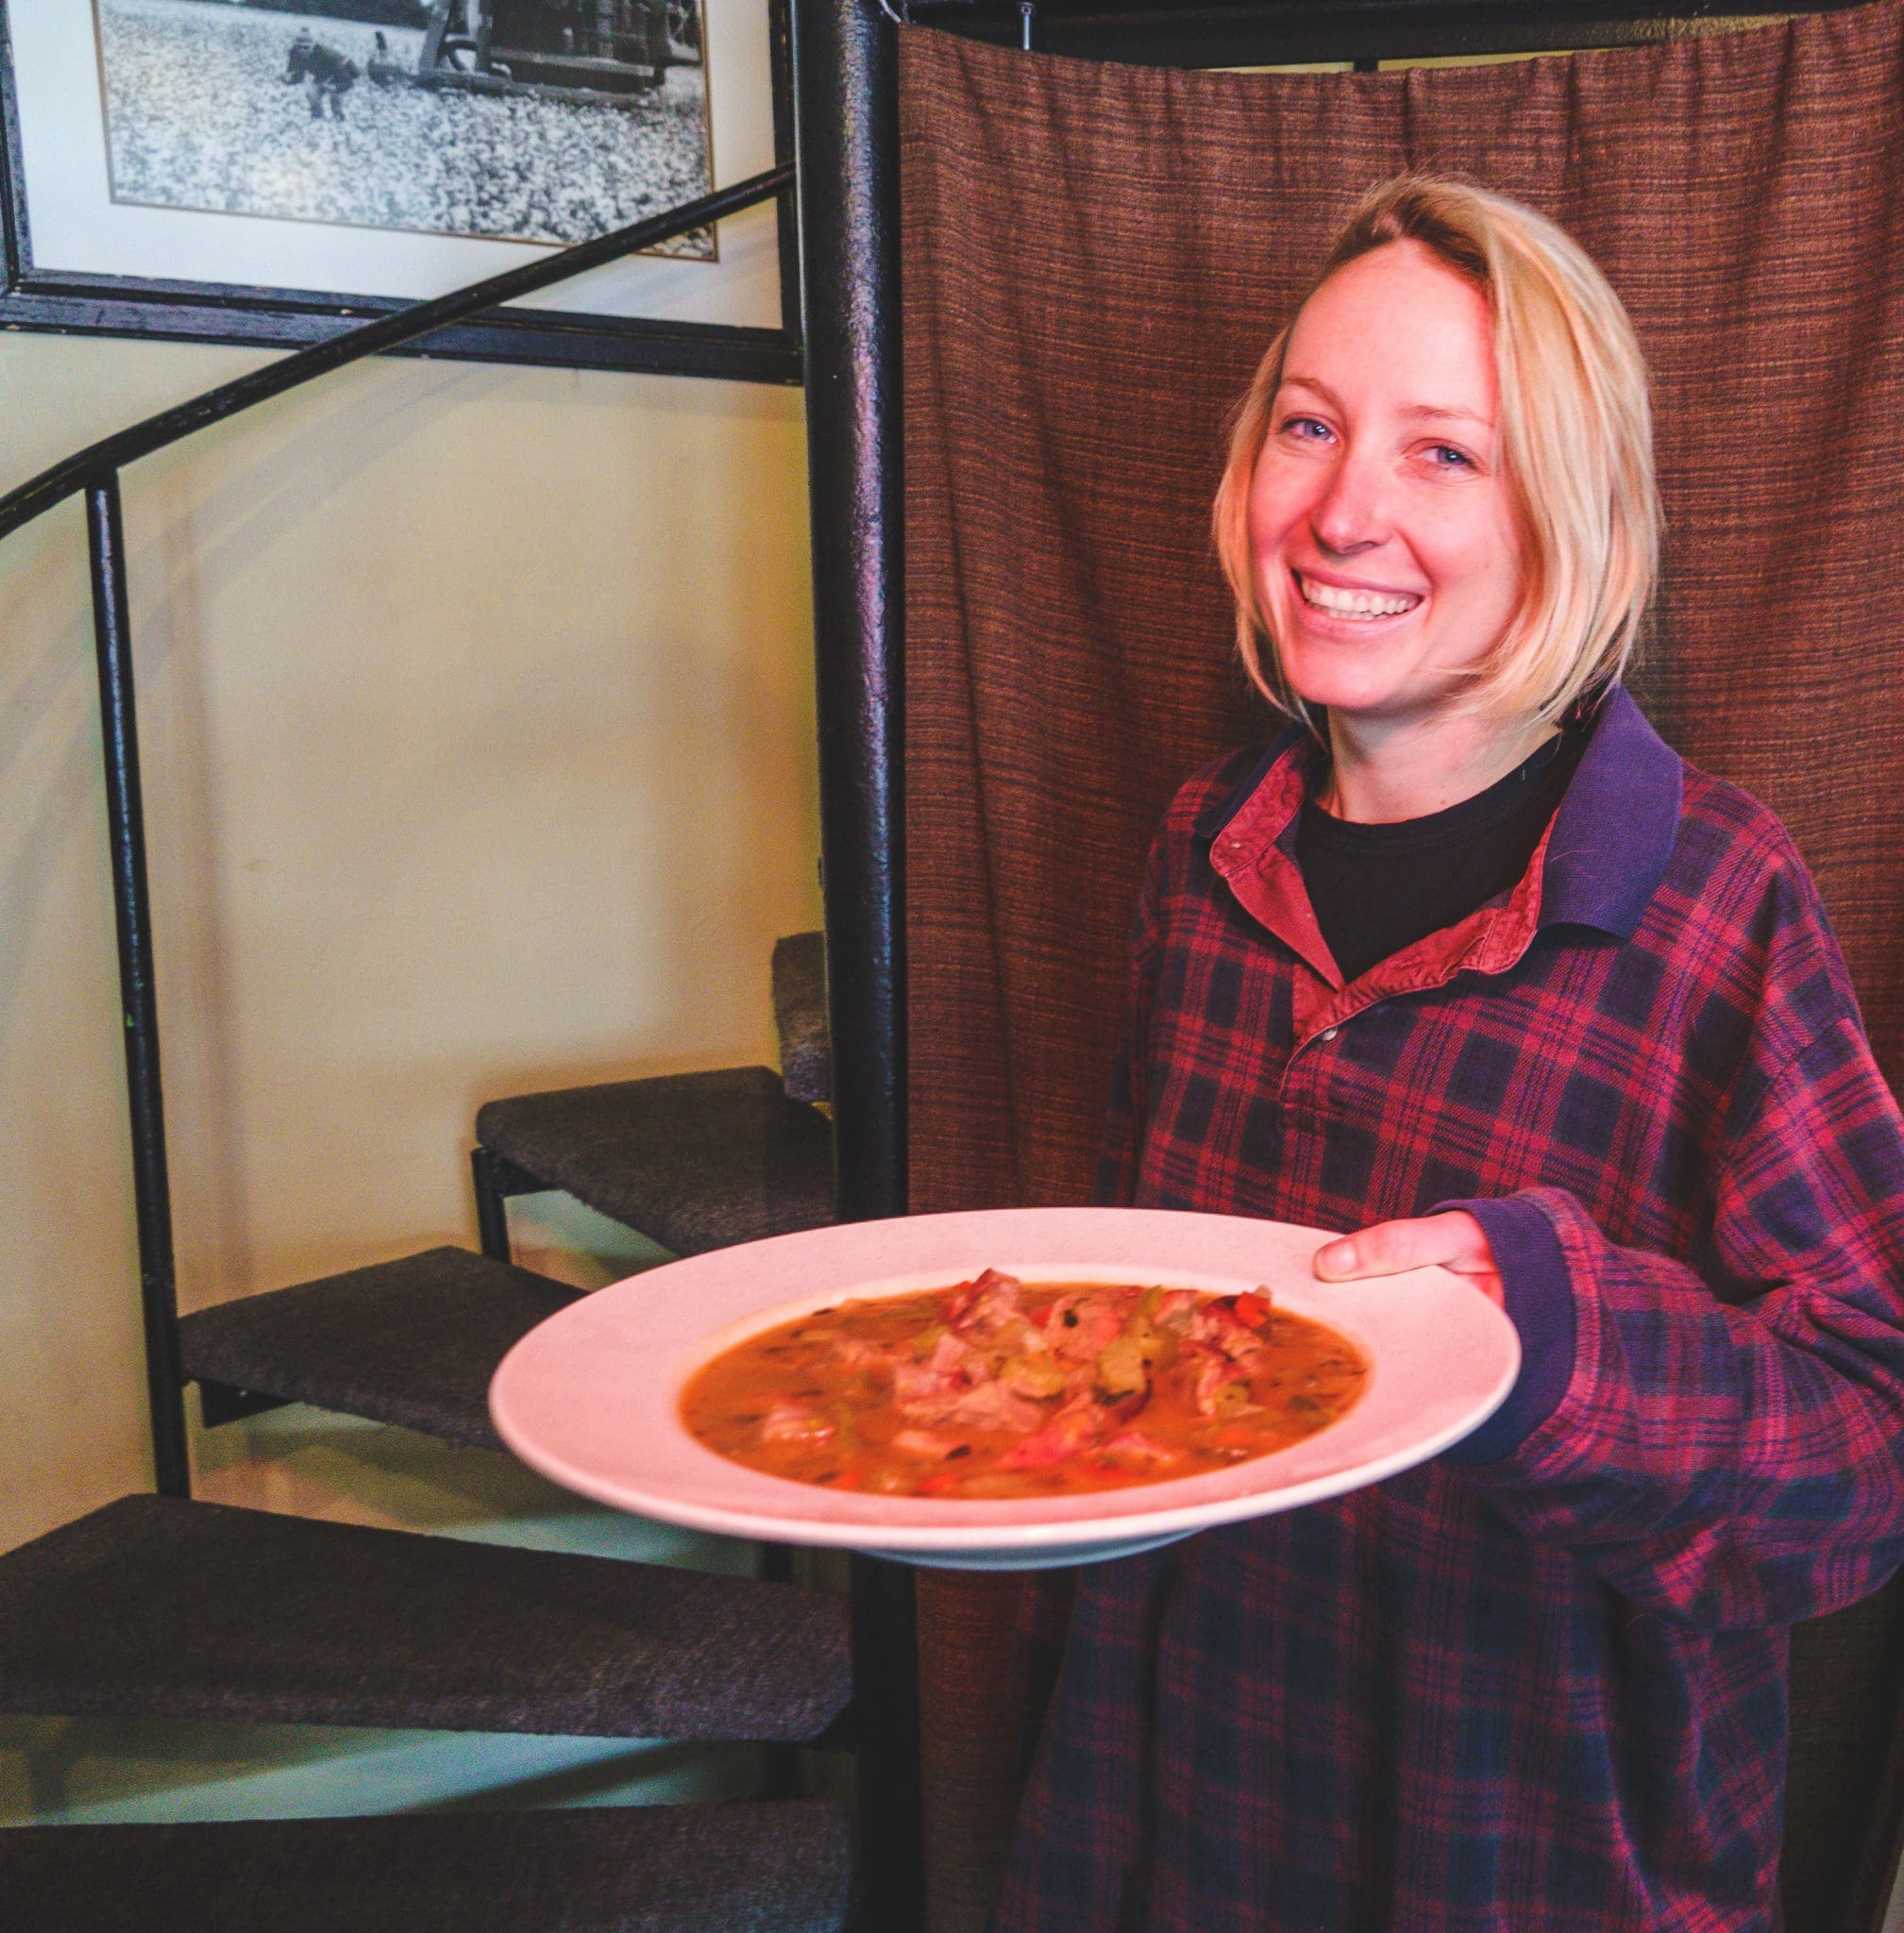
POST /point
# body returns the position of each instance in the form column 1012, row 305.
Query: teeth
column 1355, row 603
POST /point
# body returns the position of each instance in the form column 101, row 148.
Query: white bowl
column 591, row 1398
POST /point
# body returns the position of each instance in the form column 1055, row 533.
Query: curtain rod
column 1307, row 14
column 1246, row 33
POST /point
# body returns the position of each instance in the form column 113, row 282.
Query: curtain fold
column 1095, row 256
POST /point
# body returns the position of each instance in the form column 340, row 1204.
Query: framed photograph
column 271, row 171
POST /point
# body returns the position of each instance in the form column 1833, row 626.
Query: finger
column 1454, row 1241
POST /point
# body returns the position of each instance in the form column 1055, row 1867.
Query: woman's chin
column 1352, row 697
column 1347, row 673
column 1362, row 682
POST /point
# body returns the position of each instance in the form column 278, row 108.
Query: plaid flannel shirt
column 1537, row 1683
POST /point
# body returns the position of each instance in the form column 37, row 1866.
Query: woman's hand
column 1455, row 1241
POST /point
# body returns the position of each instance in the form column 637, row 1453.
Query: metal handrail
column 75, row 472
column 94, row 471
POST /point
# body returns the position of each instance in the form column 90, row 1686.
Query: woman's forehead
column 1397, row 324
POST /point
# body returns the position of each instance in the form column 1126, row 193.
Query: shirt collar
column 1220, row 811
column 1612, row 836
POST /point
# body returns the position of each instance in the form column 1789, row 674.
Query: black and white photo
column 548, row 121
column 259, row 171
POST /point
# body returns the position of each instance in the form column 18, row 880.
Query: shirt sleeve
column 1727, row 1447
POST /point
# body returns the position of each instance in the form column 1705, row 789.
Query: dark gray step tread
column 412, row 1342
column 799, row 1014
column 783, row 1867
column 155, row 1604
column 695, row 1161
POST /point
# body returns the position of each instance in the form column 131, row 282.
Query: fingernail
column 1339, row 1256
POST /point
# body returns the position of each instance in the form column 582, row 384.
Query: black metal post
column 126, row 821
column 786, row 209
column 846, row 60
column 891, row 1798
column 847, row 139
column 492, row 1208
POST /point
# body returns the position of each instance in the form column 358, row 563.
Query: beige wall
column 476, row 716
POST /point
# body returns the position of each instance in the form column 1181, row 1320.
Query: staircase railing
column 93, row 472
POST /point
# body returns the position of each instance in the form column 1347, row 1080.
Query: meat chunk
column 1219, row 1389
column 796, row 1422
column 1140, row 1452
column 949, row 1356
column 991, row 1406
column 1176, row 1309
column 996, row 1305
column 1067, row 1433
column 1079, row 1327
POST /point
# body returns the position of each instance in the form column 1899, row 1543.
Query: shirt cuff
column 1539, row 1296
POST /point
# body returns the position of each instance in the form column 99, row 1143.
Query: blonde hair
column 1577, row 438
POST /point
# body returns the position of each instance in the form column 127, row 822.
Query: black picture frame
column 64, row 302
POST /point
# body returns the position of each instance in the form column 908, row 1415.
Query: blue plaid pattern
column 1544, row 1690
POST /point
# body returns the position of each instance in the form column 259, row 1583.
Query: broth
column 991, row 1388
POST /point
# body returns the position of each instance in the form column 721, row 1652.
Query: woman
column 1469, row 963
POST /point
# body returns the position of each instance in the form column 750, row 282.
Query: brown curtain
column 1095, row 256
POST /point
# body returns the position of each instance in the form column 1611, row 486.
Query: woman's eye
column 1305, row 429
column 1444, row 456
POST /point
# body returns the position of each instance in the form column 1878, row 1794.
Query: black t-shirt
column 1378, row 889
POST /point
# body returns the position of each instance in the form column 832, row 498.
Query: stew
column 993, row 1389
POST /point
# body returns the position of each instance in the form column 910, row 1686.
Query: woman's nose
column 1352, row 510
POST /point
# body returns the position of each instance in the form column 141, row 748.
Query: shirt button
column 1330, row 1032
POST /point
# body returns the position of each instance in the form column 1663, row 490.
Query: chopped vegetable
column 994, row 1389
column 1122, row 1368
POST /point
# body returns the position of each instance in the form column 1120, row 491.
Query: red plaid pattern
column 1539, row 1683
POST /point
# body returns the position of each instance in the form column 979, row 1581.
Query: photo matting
column 235, row 170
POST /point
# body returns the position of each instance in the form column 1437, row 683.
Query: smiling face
column 1382, row 528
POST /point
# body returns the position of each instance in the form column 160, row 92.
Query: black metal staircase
column 781, row 1868
column 693, row 1161
column 163, row 1605
column 184, row 1609
column 411, row 1343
